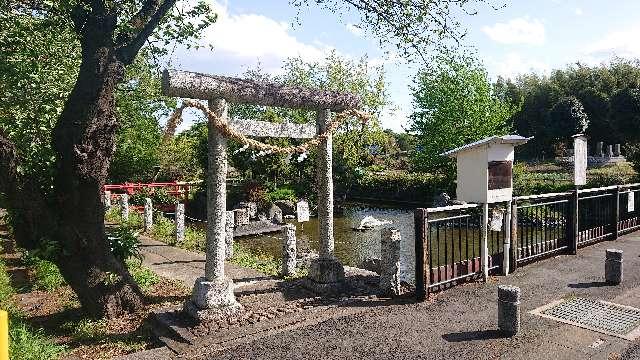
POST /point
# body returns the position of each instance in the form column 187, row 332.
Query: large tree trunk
column 84, row 140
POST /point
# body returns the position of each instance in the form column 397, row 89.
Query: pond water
column 351, row 247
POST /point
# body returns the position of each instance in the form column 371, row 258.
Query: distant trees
column 608, row 94
column 567, row 118
column 455, row 104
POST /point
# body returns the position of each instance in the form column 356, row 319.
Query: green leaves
column 455, row 104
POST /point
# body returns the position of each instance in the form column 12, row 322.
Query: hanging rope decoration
column 233, row 134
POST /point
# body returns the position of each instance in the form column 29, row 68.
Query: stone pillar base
column 212, row 300
column 326, row 276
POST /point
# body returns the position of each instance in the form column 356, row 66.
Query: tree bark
column 84, row 141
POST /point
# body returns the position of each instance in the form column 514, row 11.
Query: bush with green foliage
column 124, row 243
column 402, row 186
column 46, row 274
column 163, row 229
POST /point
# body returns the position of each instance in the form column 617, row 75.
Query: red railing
column 179, row 189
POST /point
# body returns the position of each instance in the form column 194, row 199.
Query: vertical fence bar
column 514, row 236
column 422, row 253
column 506, row 257
column 484, row 250
column 616, row 217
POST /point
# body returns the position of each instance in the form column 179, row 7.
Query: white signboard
column 580, row 160
column 631, row 202
column 302, row 210
column 497, row 218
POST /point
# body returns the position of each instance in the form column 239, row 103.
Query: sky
column 523, row 36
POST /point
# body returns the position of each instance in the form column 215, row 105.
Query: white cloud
column 623, row 43
column 355, row 29
column 514, row 64
column 250, row 37
column 579, row 11
column 517, row 31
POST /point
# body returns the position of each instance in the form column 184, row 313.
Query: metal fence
column 542, row 223
column 451, row 245
column 450, row 241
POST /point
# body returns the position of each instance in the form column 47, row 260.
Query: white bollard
column 124, row 206
column 107, row 200
column 179, row 223
column 148, row 214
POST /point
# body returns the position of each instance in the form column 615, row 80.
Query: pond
column 351, row 247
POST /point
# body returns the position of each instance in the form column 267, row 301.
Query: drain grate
column 600, row 316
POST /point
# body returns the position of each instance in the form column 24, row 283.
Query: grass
column 45, row 274
column 143, row 276
column 163, row 229
column 261, row 262
column 25, row 342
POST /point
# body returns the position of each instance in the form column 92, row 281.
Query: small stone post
column 326, row 271
column 229, row 225
column 599, row 149
column 508, row 309
column 107, row 200
column 214, row 291
column 613, row 267
column 390, row 261
column 616, row 150
column 124, row 206
column 289, row 251
column 609, row 150
column 148, row 214
column 179, row 223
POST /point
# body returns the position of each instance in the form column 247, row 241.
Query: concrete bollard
column 609, row 150
column 289, row 250
column 241, row 216
column 616, row 150
column 148, row 214
column 179, row 223
column 107, row 200
column 390, row 261
column 508, row 309
column 229, row 225
column 124, row 206
column 613, row 266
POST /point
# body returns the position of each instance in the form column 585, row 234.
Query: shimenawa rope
column 231, row 133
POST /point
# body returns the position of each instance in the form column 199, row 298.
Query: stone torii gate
column 214, row 292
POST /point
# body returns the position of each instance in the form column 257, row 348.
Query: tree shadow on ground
column 587, row 285
column 473, row 335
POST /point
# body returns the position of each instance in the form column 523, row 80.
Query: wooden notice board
column 500, row 173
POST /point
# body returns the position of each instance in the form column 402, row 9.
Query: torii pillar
column 213, row 293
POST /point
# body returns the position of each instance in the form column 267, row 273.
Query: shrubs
column 401, row 186
column 124, row 243
column 163, row 229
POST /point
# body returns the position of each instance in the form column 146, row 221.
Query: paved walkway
column 186, row 266
column 459, row 323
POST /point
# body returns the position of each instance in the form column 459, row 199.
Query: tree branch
column 130, row 49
